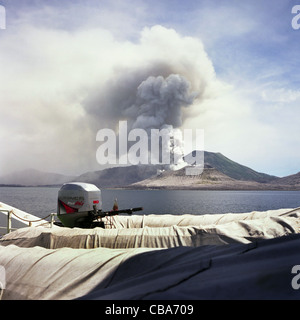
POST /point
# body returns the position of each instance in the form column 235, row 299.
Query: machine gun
column 103, row 214
column 79, row 205
column 94, row 221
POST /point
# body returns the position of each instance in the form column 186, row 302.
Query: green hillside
column 233, row 169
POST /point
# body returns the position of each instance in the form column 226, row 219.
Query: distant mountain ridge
column 231, row 168
column 33, row 177
column 219, row 173
column 173, row 179
column 118, row 176
column 210, row 179
column 291, row 180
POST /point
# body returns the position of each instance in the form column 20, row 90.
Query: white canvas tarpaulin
column 184, row 220
column 189, row 257
column 39, row 273
column 260, row 270
column 144, row 231
column 254, row 271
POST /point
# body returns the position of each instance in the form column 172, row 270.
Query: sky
column 71, row 68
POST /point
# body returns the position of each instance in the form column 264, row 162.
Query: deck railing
column 8, row 228
column 10, row 213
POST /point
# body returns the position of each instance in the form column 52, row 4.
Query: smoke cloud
column 159, row 92
column 158, row 106
column 64, row 87
column 159, row 102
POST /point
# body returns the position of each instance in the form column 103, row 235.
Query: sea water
column 41, row 201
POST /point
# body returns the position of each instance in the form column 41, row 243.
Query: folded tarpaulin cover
column 145, row 231
column 260, row 270
column 247, row 256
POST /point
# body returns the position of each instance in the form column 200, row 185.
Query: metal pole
column 52, row 219
column 9, row 221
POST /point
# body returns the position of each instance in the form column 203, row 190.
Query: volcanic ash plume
column 158, row 105
column 159, row 102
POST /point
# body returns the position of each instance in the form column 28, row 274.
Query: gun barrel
column 116, row 212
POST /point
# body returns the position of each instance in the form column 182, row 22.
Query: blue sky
column 57, row 57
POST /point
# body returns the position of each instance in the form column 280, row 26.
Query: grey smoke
column 158, row 105
column 162, row 90
column 91, row 81
column 121, row 97
column 159, row 102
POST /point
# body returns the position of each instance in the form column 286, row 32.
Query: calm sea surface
column 41, row 201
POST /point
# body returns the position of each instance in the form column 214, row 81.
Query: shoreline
column 204, row 187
